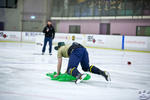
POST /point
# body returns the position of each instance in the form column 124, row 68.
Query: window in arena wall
column 88, row 8
column 146, row 7
column 74, row 28
column 143, row 30
column 129, row 8
column 137, row 7
column 8, row 3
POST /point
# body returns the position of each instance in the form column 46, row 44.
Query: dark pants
column 47, row 39
column 80, row 55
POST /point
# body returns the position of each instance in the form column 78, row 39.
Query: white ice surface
column 23, row 69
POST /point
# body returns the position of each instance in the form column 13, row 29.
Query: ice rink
column 23, row 69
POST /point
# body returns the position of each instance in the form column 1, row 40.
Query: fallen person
column 77, row 54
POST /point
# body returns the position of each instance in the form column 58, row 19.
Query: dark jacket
column 50, row 33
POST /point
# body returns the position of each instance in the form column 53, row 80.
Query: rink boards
column 139, row 43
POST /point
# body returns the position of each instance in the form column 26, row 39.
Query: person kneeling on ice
column 77, row 54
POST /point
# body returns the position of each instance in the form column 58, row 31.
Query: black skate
column 50, row 54
column 107, row 76
column 80, row 78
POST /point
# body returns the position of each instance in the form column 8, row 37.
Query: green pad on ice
column 65, row 77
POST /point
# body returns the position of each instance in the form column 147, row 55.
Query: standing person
column 49, row 36
column 77, row 54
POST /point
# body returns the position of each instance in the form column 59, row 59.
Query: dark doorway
column 74, row 29
column 105, row 28
column 1, row 25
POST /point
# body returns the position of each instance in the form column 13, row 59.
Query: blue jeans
column 80, row 55
column 47, row 39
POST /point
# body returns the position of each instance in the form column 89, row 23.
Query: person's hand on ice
column 56, row 75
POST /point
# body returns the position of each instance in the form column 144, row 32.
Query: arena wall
column 122, row 26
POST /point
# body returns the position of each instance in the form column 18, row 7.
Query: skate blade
column 79, row 80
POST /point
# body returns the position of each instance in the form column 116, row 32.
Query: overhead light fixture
column 32, row 17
